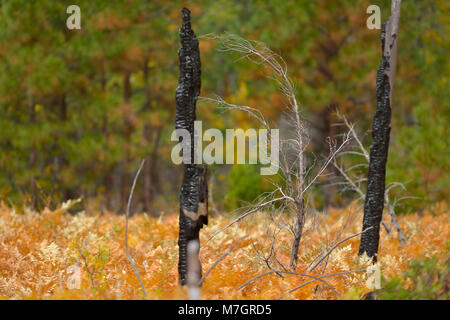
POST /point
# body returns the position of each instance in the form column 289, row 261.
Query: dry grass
column 41, row 252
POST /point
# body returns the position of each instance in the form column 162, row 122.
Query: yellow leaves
column 68, row 205
column 172, row 27
column 78, row 225
column 133, row 240
column 38, row 107
column 241, row 93
column 340, row 257
column 364, row 260
column 53, row 255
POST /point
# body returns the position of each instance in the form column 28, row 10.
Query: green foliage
column 420, row 152
column 66, row 130
column 425, row 279
column 422, row 157
column 245, row 184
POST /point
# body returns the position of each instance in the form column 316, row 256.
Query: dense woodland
column 80, row 109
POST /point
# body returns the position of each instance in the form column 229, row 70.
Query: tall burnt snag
column 381, row 127
column 193, row 195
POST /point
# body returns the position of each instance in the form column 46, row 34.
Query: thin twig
column 256, row 208
column 286, row 272
column 218, row 261
column 126, row 228
column 334, row 247
column 330, row 158
column 319, row 278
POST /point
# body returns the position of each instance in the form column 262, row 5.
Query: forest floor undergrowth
column 56, row 255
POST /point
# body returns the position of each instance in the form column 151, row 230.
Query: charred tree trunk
column 193, row 195
column 381, row 127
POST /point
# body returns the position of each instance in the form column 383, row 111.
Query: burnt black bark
column 381, row 127
column 193, row 195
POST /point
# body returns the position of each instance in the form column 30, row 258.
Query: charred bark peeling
column 381, row 127
column 193, row 195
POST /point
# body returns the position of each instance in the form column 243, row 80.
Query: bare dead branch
column 227, row 252
column 335, row 246
column 286, row 272
column 319, row 278
column 242, row 217
column 130, row 198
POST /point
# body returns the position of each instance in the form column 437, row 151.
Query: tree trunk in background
column 68, row 192
column 148, row 133
column 107, row 178
column 381, row 127
column 127, row 127
column 156, row 186
column 63, row 105
column 193, row 195
column 151, row 178
column 32, row 154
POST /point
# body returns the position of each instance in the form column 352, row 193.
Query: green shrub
column 425, row 279
column 245, row 184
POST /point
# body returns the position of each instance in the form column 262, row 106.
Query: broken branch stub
column 193, row 195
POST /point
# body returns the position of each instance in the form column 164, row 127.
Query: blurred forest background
column 79, row 109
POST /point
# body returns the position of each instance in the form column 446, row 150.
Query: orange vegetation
column 42, row 254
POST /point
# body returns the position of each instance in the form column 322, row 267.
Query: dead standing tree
column 381, row 127
column 193, row 195
column 293, row 169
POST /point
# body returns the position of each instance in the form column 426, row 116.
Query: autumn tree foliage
column 68, row 91
column 80, row 109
